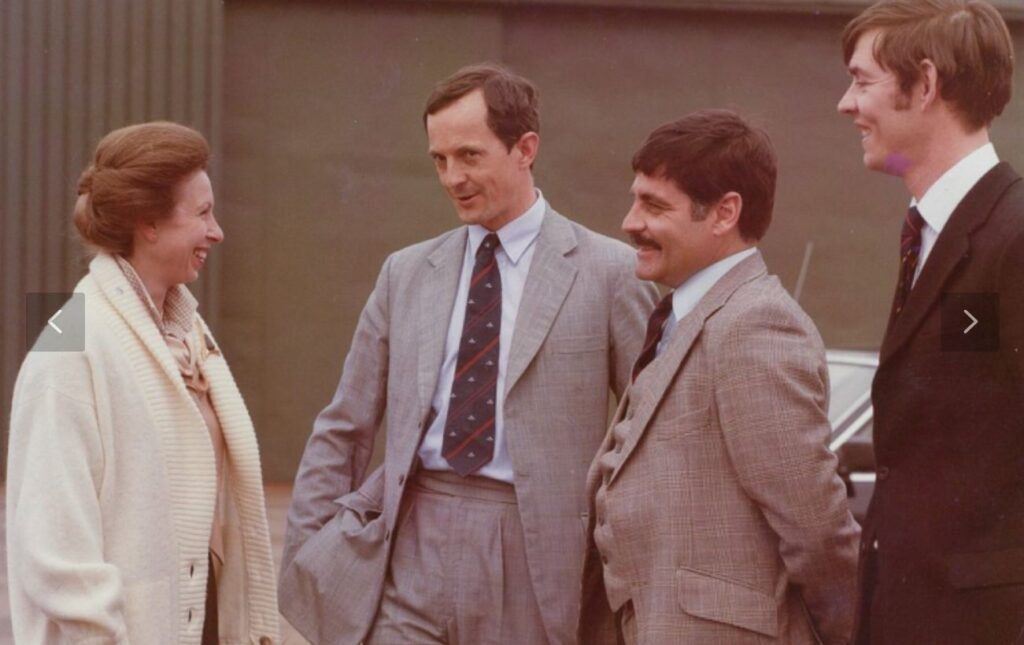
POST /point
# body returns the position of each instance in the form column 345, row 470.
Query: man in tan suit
column 716, row 512
column 489, row 353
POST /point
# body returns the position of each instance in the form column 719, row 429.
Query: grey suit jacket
column 579, row 326
column 727, row 516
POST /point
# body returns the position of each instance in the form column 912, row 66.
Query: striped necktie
column 655, row 326
column 910, row 250
column 469, row 428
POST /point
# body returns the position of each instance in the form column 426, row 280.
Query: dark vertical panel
column 117, row 64
column 96, row 76
column 55, row 192
column 138, row 53
column 33, row 100
column 156, row 70
column 4, row 233
column 12, row 91
column 199, row 29
column 177, row 62
column 209, row 82
column 78, row 153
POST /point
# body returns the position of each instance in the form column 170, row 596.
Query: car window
column 850, row 384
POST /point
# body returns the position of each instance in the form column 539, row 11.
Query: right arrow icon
column 974, row 321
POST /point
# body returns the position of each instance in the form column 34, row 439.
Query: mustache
column 643, row 240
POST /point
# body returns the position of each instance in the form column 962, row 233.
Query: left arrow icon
column 53, row 324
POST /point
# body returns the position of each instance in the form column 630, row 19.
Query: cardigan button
column 191, row 570
column 190, row 615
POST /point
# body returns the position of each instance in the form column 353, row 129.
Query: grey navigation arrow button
column 974, row 321
column 53, row 324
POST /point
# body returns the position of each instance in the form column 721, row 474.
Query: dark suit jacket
column 943, row 543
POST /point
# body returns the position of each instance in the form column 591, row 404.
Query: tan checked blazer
column 579, row 326
column 726, row 513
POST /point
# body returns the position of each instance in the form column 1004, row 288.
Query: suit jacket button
column 882, row 473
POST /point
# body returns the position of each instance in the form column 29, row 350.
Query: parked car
column 851, row 415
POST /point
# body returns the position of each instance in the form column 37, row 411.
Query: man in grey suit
column 489, row 352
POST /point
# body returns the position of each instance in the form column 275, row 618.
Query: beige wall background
column 322, row 167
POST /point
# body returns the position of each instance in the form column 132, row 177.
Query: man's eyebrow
column 651, row 198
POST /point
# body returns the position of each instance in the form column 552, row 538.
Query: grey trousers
column 458, row 572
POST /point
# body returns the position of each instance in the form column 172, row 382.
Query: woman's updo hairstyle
column 132, row 179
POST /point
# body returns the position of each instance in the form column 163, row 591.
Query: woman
column 134, row 496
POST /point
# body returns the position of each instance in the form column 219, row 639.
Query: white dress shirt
column 942, row 198
column 514, row 257
column 687, row 295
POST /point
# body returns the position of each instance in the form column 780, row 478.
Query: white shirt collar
column 687, row 295
column 942, row 198
column 517, row 235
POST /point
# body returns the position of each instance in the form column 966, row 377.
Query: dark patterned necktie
column 469, row 429
column 910, row 250
column 655, row 326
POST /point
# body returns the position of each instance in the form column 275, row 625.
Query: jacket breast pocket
column 711, row 598
column 578, row 344
column 690, row 423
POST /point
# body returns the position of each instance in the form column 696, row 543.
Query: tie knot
column 489, row 245
column 913, row 223
column 658, row 318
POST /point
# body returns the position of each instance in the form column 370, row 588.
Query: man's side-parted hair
column 967, row 40
column 712, row 152
column 512, row 101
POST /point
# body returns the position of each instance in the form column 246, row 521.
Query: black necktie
column 910, row 250
column 655, row 325
column 469, row 428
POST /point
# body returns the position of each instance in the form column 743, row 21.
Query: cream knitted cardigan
column 111, row 489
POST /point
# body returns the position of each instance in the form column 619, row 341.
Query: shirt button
column 874, row 545
column 401, row 480
column 604, row 560
column 600, row 520
column 191, row 570
column 387, row 535
column 190, row 615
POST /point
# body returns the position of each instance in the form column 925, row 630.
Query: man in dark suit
column 942, row 553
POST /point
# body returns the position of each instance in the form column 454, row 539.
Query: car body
column 851, row 414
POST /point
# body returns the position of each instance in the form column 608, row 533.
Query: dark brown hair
column 709, row 153
column 512, row 101
column 133, row 178
column 967, row 40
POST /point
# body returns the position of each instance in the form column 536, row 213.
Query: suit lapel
column 440, row 281
column 951, row 248
column 551, row 275
column 664, row 367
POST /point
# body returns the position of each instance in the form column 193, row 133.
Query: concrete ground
column 277, row 506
